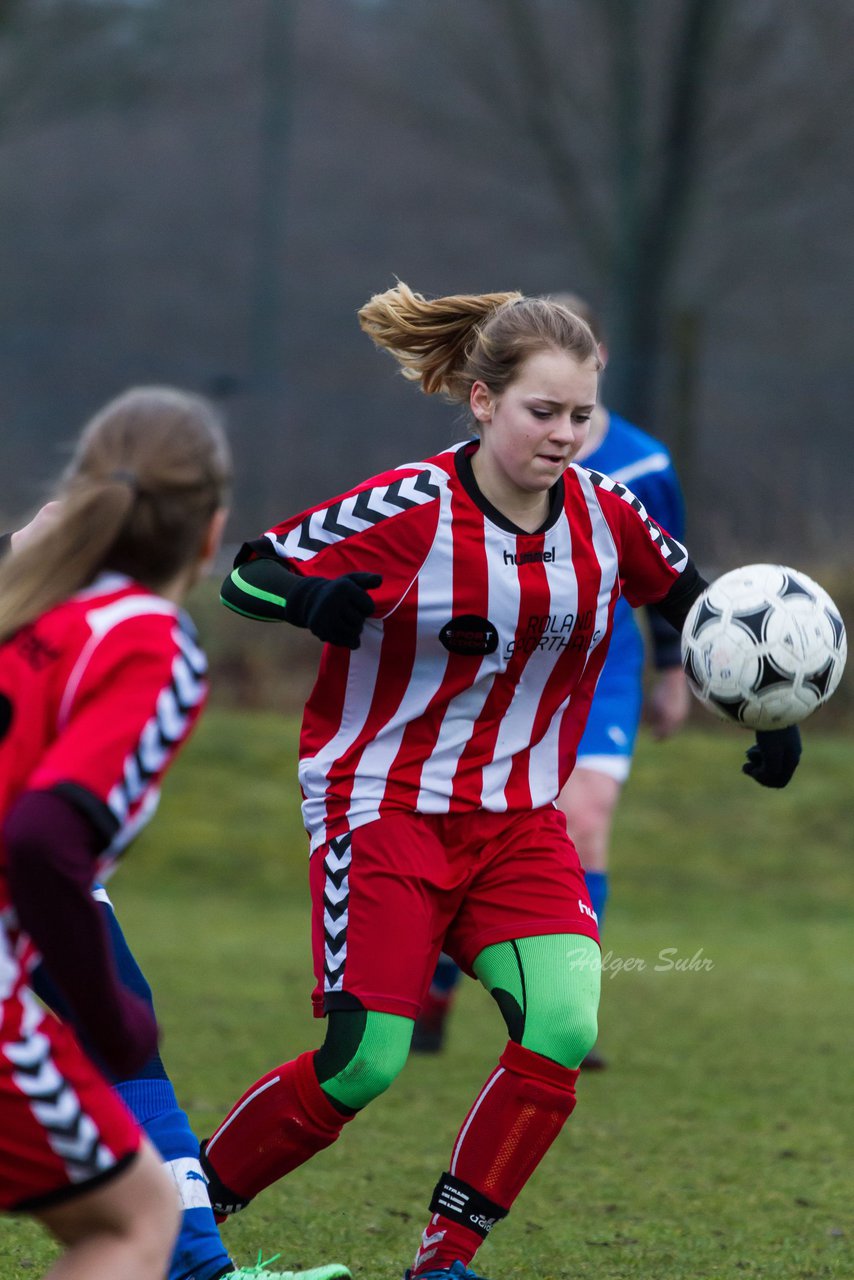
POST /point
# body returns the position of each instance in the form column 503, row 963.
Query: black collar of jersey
column 465, row 471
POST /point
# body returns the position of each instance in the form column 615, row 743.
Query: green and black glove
column 333, row 609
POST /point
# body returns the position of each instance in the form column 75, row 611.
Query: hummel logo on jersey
column 469, row 634
column 544, row 556
column 587, row 911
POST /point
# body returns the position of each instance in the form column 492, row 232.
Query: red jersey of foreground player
column 101, row 680
column 472, row 682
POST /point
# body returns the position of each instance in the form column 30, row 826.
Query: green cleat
column 261, row 1271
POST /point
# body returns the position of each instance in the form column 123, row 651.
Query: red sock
column 515, row 1119
column 278, row 1124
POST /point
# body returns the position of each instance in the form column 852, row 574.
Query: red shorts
column 62, row 1129
column 389, row 896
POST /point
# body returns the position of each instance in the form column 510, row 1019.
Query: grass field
column 719, row 1142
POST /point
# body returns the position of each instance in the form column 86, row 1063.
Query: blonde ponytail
column 447, row 344
column 430, row 338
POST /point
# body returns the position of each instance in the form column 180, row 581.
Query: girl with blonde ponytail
column 465, row 602
column 101, row 680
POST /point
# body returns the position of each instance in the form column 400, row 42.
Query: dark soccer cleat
column 457, row 1272
column 593, row 1061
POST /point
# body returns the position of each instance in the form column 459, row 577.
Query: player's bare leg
column 589, row 800
column 125, row 1228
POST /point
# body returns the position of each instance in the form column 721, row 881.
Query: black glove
column 775, row 757
column 333, row 609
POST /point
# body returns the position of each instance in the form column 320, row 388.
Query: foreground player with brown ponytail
column 466, row 602
column 101, row 680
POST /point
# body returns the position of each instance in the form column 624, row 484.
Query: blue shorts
column 608, row 741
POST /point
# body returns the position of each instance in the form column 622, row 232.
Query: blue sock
column 597, row 887
column 199, row 1252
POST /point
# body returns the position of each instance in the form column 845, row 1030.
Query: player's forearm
column 333, row 609
column 52, row 850
column 666, row 641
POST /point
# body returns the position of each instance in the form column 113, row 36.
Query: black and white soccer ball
column 764, row 646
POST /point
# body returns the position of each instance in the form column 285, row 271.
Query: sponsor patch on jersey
column 469, row 634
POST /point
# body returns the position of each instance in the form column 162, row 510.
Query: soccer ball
column 764, row 646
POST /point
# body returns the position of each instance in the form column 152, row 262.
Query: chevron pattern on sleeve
column 162, row 734
column 355, row 513
column 672, row 551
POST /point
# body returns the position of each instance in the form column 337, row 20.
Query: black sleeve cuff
column 676, row 605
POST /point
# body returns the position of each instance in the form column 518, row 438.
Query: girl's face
column 532, row 431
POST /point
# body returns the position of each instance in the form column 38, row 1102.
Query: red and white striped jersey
column 472, row 683
column 96, row 697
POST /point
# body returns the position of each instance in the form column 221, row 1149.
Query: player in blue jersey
column 641, row 462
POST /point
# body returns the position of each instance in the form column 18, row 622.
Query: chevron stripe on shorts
column 73, row 1136
column 336, row 901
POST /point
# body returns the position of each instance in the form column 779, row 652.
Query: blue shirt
column 642, row 464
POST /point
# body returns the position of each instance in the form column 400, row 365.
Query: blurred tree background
column 205, row 192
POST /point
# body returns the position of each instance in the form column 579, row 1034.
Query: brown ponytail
column 148, row 472
column 447, row 344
